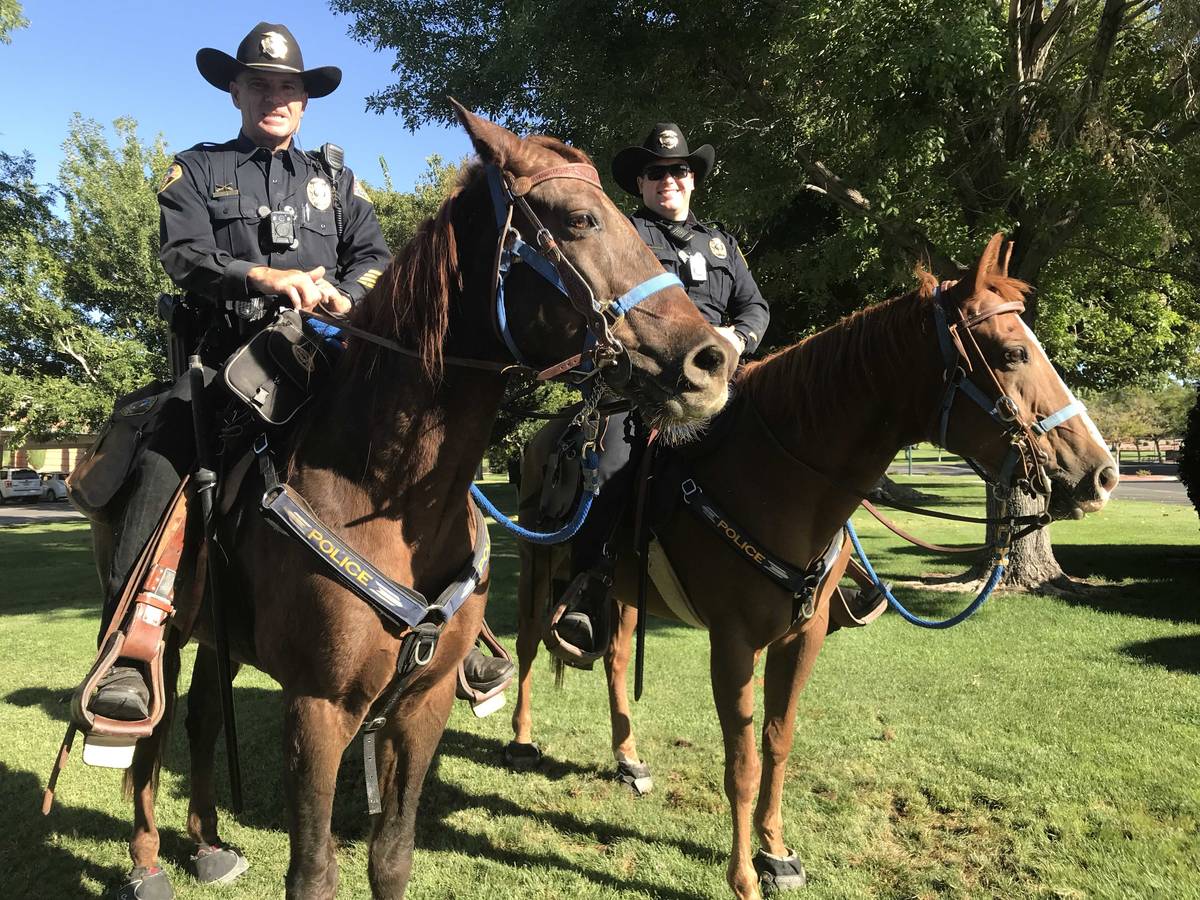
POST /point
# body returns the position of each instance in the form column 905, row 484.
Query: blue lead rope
column 997, row 573
column 590, row 463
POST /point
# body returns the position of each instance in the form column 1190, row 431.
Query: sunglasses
column 677, row 171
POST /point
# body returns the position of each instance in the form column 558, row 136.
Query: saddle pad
column 669, row 587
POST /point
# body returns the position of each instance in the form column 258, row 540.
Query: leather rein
column 544, row 256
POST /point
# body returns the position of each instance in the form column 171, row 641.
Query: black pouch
column 106, row 466
column 279, row 369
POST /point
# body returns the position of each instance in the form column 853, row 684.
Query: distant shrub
column 1189, row 454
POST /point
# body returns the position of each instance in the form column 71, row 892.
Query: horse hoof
column 145, row 883
column 522, row 757
column 636, row 776
column 779, row 873
column 216, row 864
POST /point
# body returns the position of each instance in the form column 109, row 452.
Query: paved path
column 1160, row 486
column 27, row 513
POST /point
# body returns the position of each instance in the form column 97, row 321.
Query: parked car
column 54, row 485
column 19, row 484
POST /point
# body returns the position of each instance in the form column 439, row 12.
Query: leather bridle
column 958, row 343
column 601, row 348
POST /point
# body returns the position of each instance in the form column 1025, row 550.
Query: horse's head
column 613, row 290
column 1025, row 427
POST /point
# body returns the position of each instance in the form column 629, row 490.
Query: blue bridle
column 1003, row 410
column 549, row 262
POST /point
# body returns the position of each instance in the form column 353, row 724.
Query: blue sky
column 137, row 59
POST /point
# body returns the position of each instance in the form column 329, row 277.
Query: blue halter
column 1003, row 410
column 549, row 263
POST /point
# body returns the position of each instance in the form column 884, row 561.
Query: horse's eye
column 1015, row 356
column 581, row 221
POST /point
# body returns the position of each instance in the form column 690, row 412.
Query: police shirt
column 214, row 204
column 720, row 283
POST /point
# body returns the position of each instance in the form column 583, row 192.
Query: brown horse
column 385, row 458
column 818, row 424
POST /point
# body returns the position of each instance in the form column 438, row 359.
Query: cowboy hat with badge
column 267, row 48
column 664, row 141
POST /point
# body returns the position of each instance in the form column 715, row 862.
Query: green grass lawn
column 1046, row 748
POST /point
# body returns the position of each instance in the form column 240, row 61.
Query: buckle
column 689, row 487
column 260, row 444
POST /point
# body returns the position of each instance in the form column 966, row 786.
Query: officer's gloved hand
column 736, row 341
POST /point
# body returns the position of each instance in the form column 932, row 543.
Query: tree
column 11, row 19
column 861, row 137
column 399, row 212
column 76, row 296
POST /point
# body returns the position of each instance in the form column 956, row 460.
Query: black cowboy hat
column 664, row 141
column 267, row 48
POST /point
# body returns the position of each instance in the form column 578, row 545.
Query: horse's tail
column 162, row 731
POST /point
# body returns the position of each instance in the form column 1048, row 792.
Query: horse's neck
column 404, row 448
column 860, row 391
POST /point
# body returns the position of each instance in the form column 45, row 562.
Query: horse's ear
column 494, row 143
column 988, row 262
column 1008, row 250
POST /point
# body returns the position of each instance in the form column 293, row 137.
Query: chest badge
column 319, row 194
column 717, row 246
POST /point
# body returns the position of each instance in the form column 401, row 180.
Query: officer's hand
column 296, row 286
column 735, row 340
column 333, row 299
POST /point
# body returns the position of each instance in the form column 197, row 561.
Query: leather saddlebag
column 279, row 369
column 107, row 464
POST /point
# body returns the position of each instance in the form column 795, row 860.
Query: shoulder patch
column 174, row 173
column 360, row 191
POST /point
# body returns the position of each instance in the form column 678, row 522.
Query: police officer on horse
column 246, row 226
column 663, row 172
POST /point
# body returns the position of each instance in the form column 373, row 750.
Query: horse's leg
column 521, row 753
column 789, row 664
column 315, row 732
column 404, row 755
column 142, row 776
column 212, row 862
column 731, row 663
column 630, row 769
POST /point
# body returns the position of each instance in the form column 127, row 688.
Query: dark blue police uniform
column 721, row 286
column 215, row 205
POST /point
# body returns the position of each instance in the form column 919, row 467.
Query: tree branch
column 64, row 344
column 907, row 238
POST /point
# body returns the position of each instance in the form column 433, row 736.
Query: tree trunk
column 1031, row 562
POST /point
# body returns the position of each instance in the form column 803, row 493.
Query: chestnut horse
column 386, row 456
column 834, row 404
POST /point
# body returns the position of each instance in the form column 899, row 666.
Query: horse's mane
column 411, row 303
column 820, row 373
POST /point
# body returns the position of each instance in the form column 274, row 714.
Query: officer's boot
column 585, row 620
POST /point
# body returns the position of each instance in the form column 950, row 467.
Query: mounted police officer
column 247, row 225
column 664, row 173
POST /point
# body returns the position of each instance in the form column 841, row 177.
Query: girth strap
column 801, row 584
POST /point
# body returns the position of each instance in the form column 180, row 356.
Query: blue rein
column 514, row 248
column 993, row 580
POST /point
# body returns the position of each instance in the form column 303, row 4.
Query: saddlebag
column 279, row 369
column 106, row 466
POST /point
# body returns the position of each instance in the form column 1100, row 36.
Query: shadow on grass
column 34, row 859
column 1178, row 654
column 259, row 724
column 1160, row 581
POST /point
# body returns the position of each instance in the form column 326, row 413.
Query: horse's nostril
column 710, row 359
column 1107, row 478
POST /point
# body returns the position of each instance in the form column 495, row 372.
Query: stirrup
column 484, row 703
column 574, row 600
